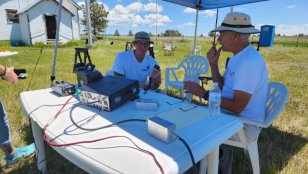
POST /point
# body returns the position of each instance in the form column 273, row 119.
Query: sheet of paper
column 184, row 115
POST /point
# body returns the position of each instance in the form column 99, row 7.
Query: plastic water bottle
column 214, row 101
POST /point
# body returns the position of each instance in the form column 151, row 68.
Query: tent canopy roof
column 211, row 4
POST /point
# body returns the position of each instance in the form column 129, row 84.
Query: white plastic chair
column 193, row 67
column 277, row 96
column 197, row 49
column 168, row 47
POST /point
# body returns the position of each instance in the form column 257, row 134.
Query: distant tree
column 130, row 33
column 150, row 34
column 301, row 35
column 278, row 35
column 158, row 35
column 116, row 33
column 201, row 35
column 171, row 33
column 98, row 16
column 211, row 34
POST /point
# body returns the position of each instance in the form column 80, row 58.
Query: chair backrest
column 194, row 66
column 129, row 46
column 191, row 45
column 167, row 44
column 277, row 96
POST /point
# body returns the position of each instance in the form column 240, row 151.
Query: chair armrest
column 263, row 124
column 172, row 70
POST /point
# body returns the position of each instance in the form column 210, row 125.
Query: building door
column 51, row 27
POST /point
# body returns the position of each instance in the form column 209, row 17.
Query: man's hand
column 11, row 77
column 143, row 86
column 156, row 78
column 213, row 54
column 194, row 88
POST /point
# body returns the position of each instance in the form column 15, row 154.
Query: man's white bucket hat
column 237, row 22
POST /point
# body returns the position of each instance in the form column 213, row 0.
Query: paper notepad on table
column 184, row 115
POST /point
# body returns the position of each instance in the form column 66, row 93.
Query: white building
column 33, row 21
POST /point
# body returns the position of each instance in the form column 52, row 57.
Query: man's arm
column 213, row 57
column 118, row 67
column 8, row 74
column 238, row 103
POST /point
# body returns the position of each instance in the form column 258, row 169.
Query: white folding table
column 118, row 155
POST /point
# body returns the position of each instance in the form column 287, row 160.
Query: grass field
column 283, row 147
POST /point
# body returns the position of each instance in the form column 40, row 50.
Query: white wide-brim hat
column 237, row 22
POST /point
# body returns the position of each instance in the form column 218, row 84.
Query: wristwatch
column 6, row 72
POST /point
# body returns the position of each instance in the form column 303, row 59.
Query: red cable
column 100, row 139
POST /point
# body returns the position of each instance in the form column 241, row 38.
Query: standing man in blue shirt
column 12, row 154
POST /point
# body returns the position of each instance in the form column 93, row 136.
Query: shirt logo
column 231, row 74
column 146, row 68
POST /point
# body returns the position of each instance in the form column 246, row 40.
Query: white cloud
column 81, row 3
column 130, row 16
column 134, row 25
column 161, row 20
column 288, row 30
column 291, row 30
column 240, row 9
column 134, row 7
column 208, row 13
column 291, row 6
column 121, row 15
column 189, row 10
column 186, row 24
column 137, row 19
column 151, row 7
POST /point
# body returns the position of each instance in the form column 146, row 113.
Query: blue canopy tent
column 209, row 4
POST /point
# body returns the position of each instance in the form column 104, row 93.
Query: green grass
column 283, row 148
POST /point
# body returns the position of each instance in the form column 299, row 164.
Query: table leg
column 203, row 165
column 39, row 143
column 213, row 161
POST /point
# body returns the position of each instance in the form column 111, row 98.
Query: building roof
column 75, row 4
column 56, row 1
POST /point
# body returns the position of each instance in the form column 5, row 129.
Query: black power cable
column 102, row 127
column 190, row 153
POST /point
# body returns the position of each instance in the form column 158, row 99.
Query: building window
column 12, row 16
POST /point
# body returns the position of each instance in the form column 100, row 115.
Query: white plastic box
column 147, row 104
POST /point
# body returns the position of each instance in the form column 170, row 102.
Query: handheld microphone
column 21, row 73
column 156, row 67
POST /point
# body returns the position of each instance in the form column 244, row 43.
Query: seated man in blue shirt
column 244, row 83
column 136, row 64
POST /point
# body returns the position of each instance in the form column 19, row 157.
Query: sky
column 290, row 17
